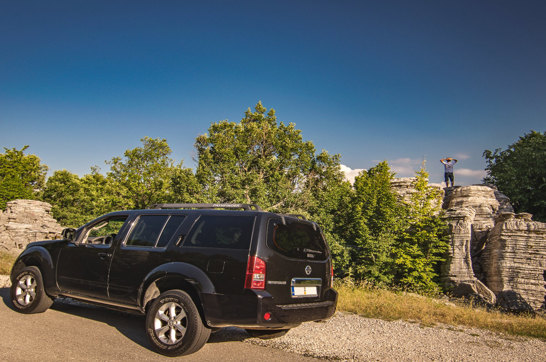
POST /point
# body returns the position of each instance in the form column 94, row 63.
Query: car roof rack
column 297, row 216
column 246, row 207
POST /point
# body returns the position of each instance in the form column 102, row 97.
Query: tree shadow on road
column 131, row 325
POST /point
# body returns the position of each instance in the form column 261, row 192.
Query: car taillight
column 331, row 275
column 255, row 273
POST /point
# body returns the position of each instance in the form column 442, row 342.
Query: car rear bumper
column 258, row 310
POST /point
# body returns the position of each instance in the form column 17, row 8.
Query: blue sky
column 403, row 81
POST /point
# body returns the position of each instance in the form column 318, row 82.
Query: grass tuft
column 6, row 262
column 372, row 302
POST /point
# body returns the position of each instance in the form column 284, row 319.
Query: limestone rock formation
column 494, row 252
column 458, row 274
column 25, row 221
column 514, row 261
column 404, row 187
column 495, row 257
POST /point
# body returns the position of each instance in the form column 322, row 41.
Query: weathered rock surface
column 494, row 252
column 458, row 274
column 514, row 261
column 405, row 187
column 25, row 221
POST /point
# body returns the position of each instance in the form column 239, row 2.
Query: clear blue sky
column 403, row 81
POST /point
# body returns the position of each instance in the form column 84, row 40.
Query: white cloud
column 350, row 173
column 469, row 172
column 405, row 167
column 461, row 156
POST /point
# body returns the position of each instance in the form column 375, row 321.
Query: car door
column 83, row 266
column 144, row 248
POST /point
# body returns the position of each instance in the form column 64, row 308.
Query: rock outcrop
column 514, row 262
column 25, row 221
column 494, row 254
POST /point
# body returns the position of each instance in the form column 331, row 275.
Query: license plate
column 304, row 291
column 305, row 287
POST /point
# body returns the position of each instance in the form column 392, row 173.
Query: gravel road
column 350, row 337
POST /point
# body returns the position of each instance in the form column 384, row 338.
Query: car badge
column 308, row 270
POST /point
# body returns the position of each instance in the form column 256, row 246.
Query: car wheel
column 27, row 292
column 174, row 326
column 267, row 333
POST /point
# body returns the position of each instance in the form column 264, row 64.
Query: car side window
column 220, row 231
column 153, row 230
column 104, row 232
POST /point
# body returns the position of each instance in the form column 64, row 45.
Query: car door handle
column 104, row 255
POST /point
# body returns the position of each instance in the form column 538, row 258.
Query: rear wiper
column 312, row 251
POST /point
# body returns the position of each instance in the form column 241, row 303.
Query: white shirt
column 449, row 165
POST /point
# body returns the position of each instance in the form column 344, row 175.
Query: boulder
column 25, row 221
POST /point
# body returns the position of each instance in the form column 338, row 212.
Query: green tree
column 375, row 219
column 330, row 195
column 21, row 176
column 184, row 187
column 75, row 200
column 145, row 173
column 421, row 247
column 257, row 160
column 519, row 173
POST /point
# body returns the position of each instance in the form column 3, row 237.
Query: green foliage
column 255, row 161
column 519, row 173
column 374, row 223
column 144, row 174
column 330, row 195
column 421, row 247
column 259, row 160
column 76, row 200
column 21, row 176
column 392, row 242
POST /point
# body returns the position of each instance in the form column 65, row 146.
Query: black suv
column 189, row 268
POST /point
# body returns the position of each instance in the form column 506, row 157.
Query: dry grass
column 387, row 305
column 6, row 261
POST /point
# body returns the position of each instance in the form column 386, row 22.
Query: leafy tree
column 330, row 195
column 76, row 200
column 144, row 174
column 421, row 247
column 519, row 173
column 184, row 187
column 21, row 176
column 375, row 220
column 257, row 160
column 263, row 161
column 63, row 192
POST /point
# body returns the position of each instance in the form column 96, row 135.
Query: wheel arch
column 176, row 275
column 39, row 257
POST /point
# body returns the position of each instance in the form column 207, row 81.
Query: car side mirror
column 68, row 234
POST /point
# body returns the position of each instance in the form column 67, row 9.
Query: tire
column 27, row 292
column 174, row 326
column 267, row 333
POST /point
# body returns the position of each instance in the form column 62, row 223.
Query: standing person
column 448, row 165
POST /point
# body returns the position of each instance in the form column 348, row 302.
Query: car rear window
column 220, row 231
column 296, row 239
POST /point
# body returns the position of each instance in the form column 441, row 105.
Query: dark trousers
column 449, row 176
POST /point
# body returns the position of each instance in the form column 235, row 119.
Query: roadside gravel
column 350, row 337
